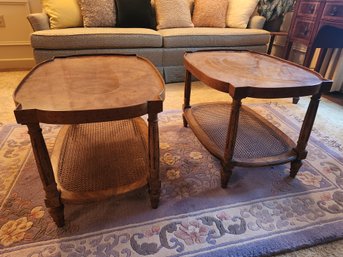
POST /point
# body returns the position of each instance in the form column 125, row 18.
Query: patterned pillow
column 173, row 14
column 100, row 13
column 239, row 12
column 210, row 13
column 62, row 13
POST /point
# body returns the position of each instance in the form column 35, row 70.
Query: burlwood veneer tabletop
column 251, row 73
column 90, row 82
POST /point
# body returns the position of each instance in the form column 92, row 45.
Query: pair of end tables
column 105, row 148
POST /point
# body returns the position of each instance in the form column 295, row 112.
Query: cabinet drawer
column 303, row 30
column 309, row 9
column 331, row 24
column 333, row 11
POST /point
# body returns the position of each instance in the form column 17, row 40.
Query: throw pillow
column 209, row 13
column 173, row 14
column 239, row 12
column 63, row 13
column 135, row 14
column 100, row 13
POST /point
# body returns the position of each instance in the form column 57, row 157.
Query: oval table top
column 252, row 74
column 96, row 82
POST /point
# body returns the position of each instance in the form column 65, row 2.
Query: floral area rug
column 262, row 212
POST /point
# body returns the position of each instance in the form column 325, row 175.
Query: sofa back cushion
column 239, row 12
column 135, row 14
column 210, row 13
column 100, row 13
column 173, row 14
column 63, row 13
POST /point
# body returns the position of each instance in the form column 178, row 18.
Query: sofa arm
column 256, row 22
column 39, row 21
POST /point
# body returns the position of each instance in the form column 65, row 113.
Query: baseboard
column 16, row 64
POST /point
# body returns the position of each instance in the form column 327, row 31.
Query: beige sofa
column 164, row 48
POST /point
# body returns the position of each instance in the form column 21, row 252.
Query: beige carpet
column 330, row 124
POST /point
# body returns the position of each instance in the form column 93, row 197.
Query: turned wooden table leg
column 295, row 100
column 305, row 133
column 230, row 143
column 154, row 161
column 187, row 95
column 52, row 195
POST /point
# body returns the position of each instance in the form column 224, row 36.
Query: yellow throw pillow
column 239, row 12
column 63, row 13
column 210, row 13
column 173, row 14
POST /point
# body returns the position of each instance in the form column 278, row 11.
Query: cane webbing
column 254, row 138
column 99, row 156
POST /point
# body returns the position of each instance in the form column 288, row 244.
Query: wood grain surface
column 89, row 83
column 250, row 74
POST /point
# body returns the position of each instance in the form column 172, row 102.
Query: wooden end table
column 235, row 134
column 106, row 149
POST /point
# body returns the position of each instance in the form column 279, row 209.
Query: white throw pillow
column 239, row 12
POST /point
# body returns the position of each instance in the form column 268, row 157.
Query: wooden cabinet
column 309, row 16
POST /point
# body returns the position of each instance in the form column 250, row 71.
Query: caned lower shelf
column 93, row 161
column 258, row 142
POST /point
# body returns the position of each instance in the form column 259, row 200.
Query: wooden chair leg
column 271, row 43
column 321, row 58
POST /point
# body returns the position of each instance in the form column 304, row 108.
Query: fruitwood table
column 107, row 148
column 235, row 134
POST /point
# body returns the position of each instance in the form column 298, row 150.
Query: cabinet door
column 302, row 30
column 333, row 11
column 309, row 10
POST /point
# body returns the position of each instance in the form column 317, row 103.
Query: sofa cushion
column 100, row 13
column 202, row 37
column 209, row 13
column 173, row 14
column 88, row 38
column 239, row 12
column 135, row 14
column 63, row 13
